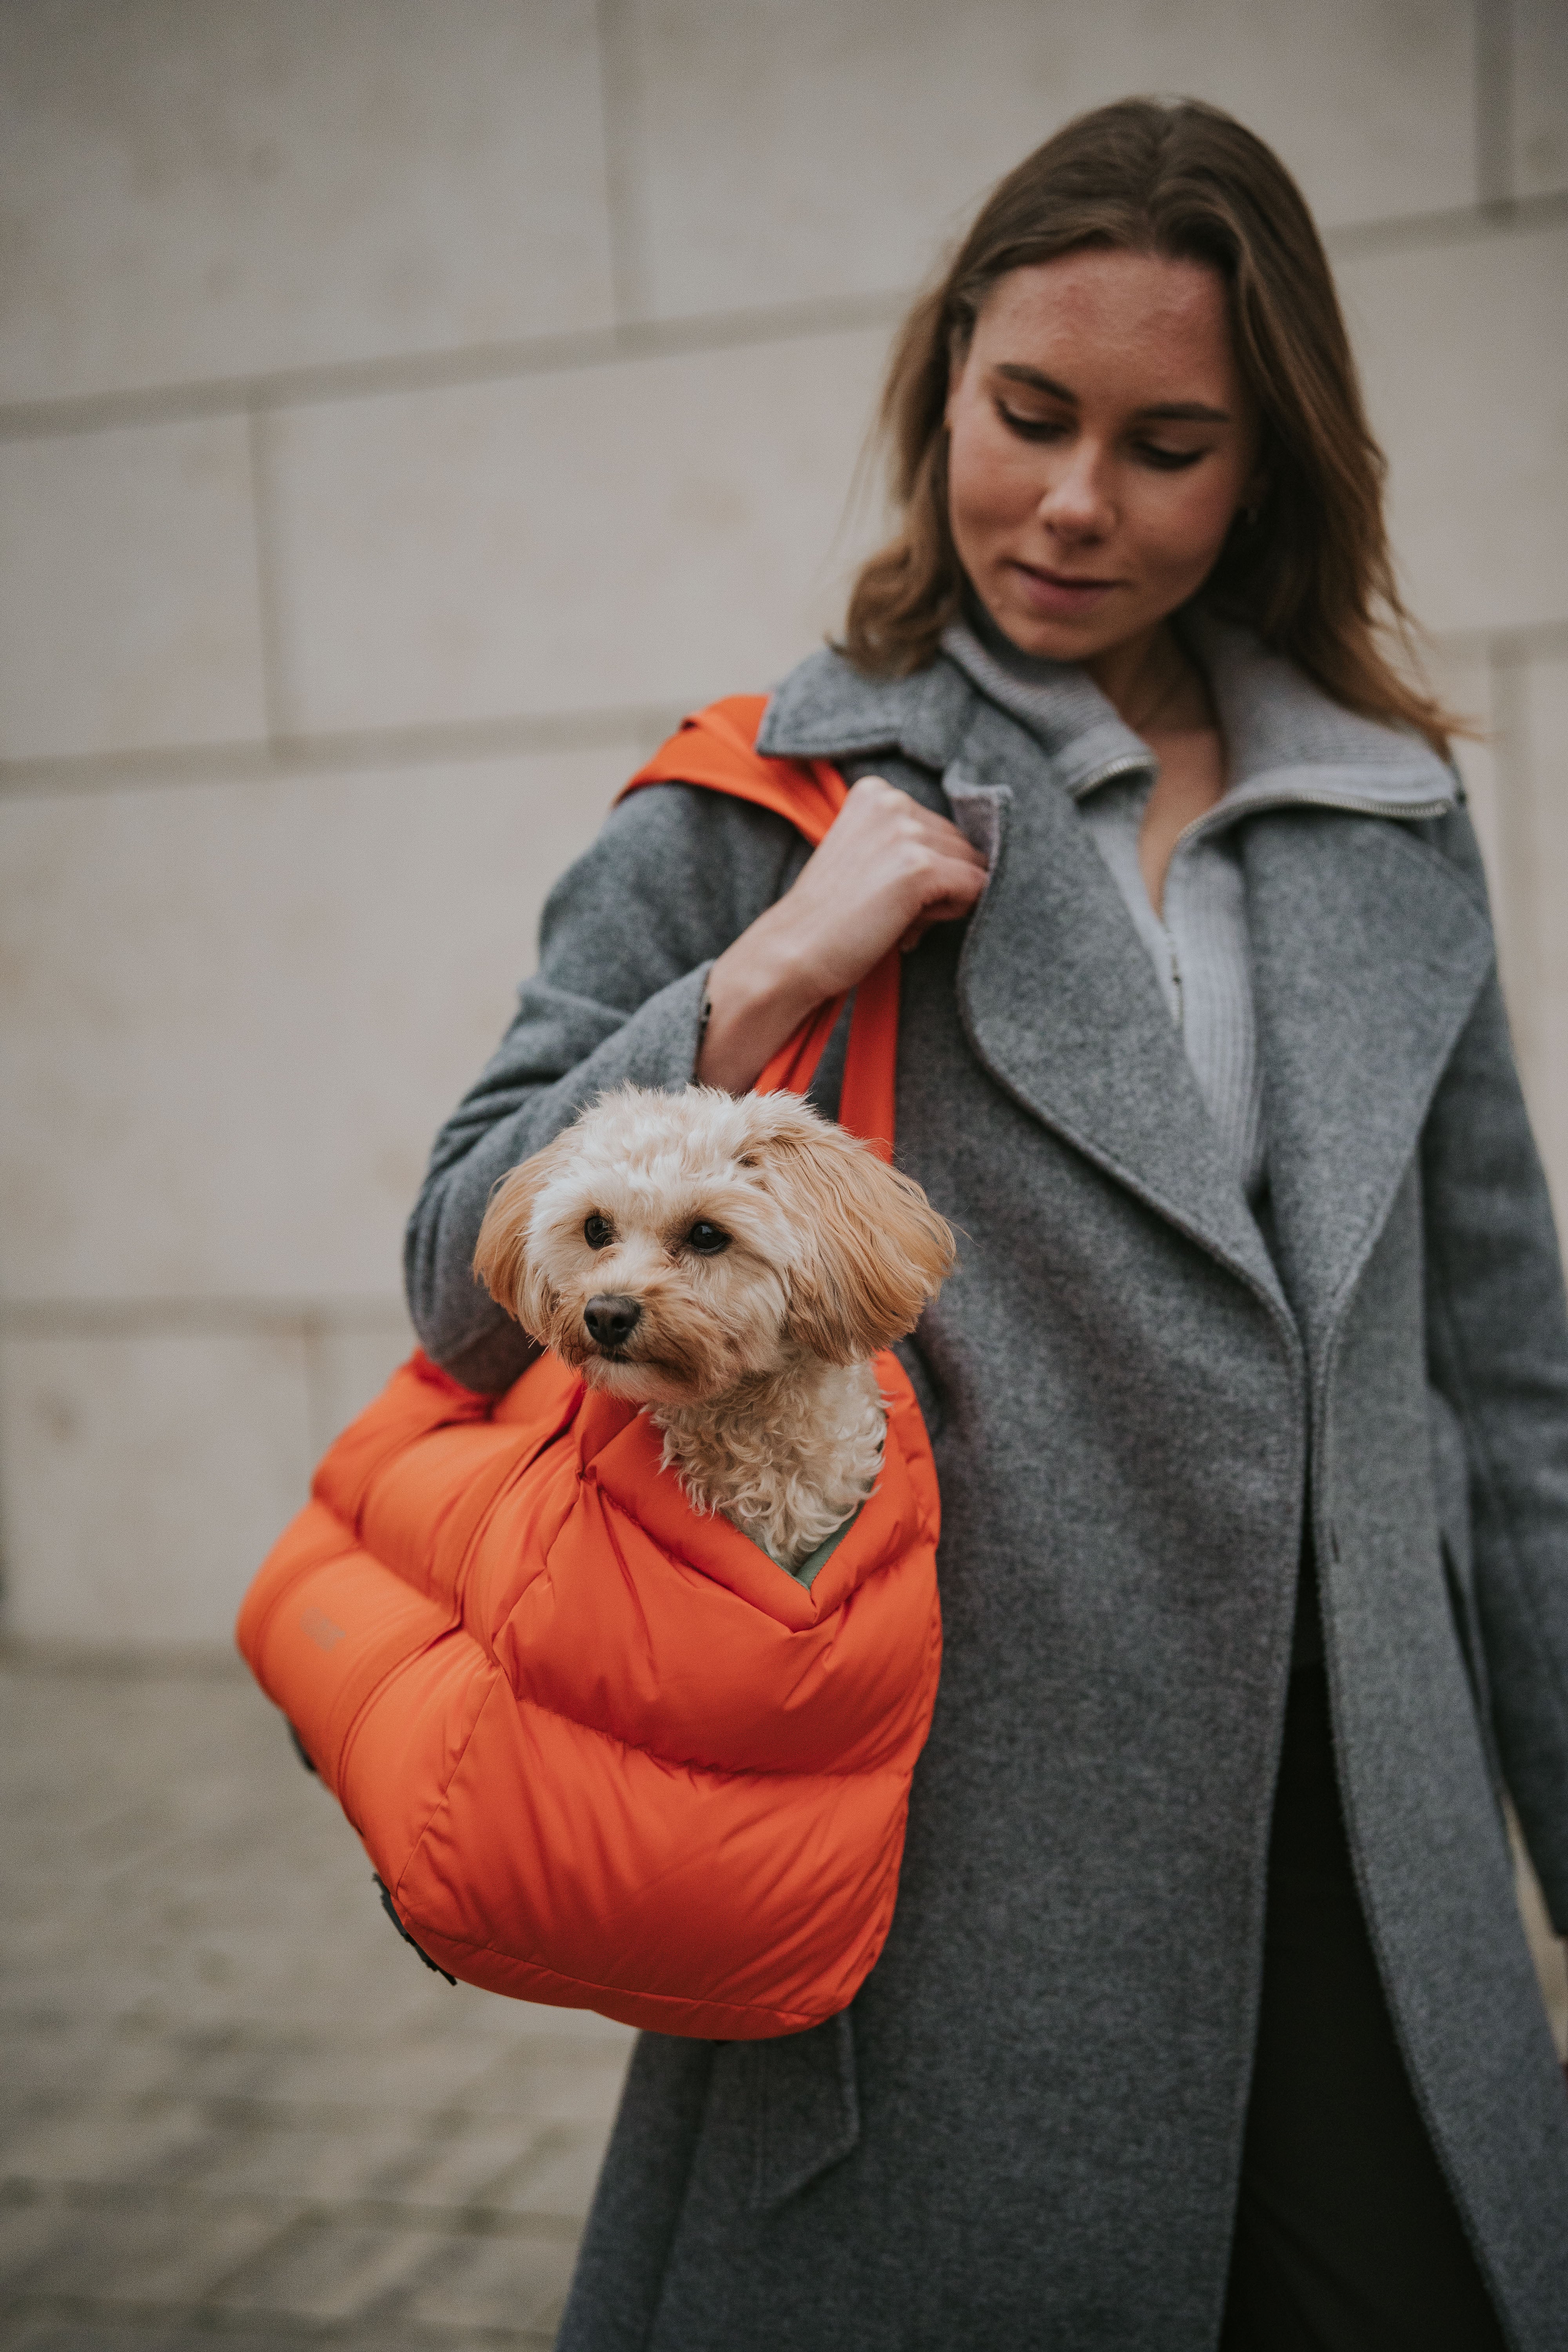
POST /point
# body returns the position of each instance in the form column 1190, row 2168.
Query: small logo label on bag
column 322, row 1630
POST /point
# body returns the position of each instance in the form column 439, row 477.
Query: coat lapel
column 1369, row 952
column 1062, row 1007
column 1056, row 992
column 1369, row 949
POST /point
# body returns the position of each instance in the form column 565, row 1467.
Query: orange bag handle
column 716, row 748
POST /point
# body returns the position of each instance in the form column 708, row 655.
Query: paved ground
column 233, row 2107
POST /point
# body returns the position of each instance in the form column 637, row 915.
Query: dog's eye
column 598, row 1233
column 707, row 1240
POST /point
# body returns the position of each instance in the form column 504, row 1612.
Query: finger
column 950, row 908
column 886, row 804
column 939, row 828
column 947, row 840
column 961, row 882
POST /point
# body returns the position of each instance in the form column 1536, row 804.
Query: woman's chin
column 1055, row 636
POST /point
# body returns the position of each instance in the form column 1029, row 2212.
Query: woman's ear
column 500, row 1254
column 872, row 1250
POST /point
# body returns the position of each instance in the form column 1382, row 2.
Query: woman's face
column 1101, row 440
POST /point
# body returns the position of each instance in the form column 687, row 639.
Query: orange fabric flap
column 628, row 1475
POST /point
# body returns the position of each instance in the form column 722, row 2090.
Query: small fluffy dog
column 731, row 1264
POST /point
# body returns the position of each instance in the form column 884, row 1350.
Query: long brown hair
column 1310, row 569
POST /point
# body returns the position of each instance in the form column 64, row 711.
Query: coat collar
column 1368, row 948
column 1285, row 740
column 827, row 711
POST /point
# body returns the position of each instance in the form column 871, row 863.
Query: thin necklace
column 1142, row 725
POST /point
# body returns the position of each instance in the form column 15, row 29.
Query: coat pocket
column 788, row 2109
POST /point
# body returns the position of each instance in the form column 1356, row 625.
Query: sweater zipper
column 1128, row 765
column 1131, row 765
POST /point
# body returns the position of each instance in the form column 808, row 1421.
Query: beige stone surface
column 1540, row 97
column 798, row 148
column 657, row 532
column 145, row 1478
column 1464, row 350
column 235, row 2105
column 213, row 188
column 233, row 1014
column 127, row 591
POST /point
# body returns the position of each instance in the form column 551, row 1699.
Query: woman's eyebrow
column 1169, row 412
column 1037, row 381
column 1187, row 411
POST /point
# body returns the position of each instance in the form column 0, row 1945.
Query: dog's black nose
column 611, row 1319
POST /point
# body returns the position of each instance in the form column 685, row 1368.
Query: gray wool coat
column 1027, row 2131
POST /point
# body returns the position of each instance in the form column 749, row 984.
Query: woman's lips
column 1060, row 594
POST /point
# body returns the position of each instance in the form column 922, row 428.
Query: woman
column 1205, row 2016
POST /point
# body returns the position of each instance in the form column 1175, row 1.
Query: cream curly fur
column 766, row 1255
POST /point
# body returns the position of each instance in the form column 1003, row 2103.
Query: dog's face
column 669, row 1245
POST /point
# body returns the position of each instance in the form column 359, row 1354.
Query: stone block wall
column 407, row 408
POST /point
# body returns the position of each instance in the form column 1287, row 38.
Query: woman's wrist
column 758, row 994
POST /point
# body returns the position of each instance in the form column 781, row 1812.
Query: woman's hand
column 885, row 871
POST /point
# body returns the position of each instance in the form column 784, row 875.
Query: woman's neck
column 1131, row 674
column 1149, row 679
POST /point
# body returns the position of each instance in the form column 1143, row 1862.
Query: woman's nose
column 1076, row 505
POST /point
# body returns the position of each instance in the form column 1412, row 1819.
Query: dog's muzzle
column 611, row 1320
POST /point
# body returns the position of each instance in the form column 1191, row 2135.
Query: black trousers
column 1346, row 2237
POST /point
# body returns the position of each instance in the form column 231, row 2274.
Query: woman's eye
column 707, row 1240
column 598, row 1233
column 1029, row 428
column 1168, row 461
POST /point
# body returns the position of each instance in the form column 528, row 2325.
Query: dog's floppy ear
column 873, row 1251
column 501, row 1254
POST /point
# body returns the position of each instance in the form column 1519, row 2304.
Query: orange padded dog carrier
column 602, row 1751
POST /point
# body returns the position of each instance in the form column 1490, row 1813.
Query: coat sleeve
column 1497, row 1339
column 626, row 942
